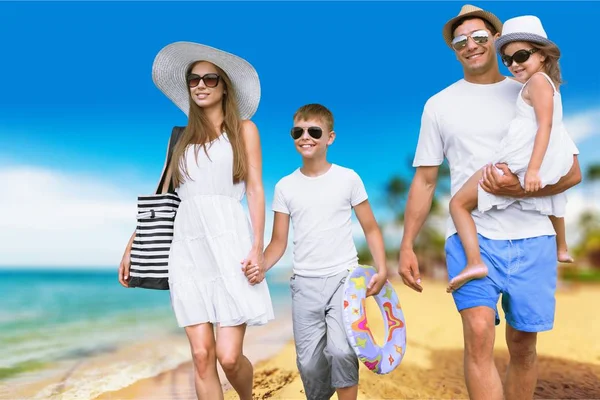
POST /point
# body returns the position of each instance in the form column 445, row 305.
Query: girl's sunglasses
column 210, row 80
column 519, row 57
column 480, row 37
column 314, row 131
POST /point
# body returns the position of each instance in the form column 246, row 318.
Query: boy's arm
column 541, row 95
column 369, row 225
column 275, row 248
column 279, row 239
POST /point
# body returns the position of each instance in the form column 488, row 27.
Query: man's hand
column 503, row 183
column 408, row 268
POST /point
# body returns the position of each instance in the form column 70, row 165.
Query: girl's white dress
column 212, row 235
column 516, row 149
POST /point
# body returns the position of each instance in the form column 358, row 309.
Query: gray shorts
column 325, row 359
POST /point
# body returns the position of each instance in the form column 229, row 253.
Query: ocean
column 52, row 321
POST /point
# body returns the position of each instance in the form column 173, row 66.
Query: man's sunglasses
column 314, row 131
column 480, row 37
column 210, row 80
column 519, row 57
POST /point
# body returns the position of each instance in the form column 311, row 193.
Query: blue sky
column 81, row 119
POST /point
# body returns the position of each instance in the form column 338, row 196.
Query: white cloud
column 49, row 218
column 584, row 124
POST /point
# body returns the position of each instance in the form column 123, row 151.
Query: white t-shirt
column 465, row 123
column 320, row 209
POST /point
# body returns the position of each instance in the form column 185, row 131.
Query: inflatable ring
column 379, row 359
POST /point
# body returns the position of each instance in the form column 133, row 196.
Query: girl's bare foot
column 475, row 271
column 565, row 257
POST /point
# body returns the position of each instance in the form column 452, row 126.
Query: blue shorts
column 523, row 270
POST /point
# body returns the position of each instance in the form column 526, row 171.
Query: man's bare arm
column 509, row 185
column 420, row 197
column 418, row 205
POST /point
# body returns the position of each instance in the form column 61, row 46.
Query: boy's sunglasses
column 210, row 80
column 519, row 57
column 480, row 37
column 314, row 131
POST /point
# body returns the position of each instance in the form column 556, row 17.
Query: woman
column 216, row 161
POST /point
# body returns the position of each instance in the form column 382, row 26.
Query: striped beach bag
column 154, row 232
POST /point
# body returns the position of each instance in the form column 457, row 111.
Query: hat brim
column 171, row 64
column 521, row 37
column 485, row 15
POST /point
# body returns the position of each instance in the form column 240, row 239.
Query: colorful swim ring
column 379, row 359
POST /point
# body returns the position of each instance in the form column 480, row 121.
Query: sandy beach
column 569, row 355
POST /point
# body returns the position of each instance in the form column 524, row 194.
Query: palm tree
column 396, row 192
column 589, row 246
column 429, row 245
column 589, row 223
column 593, row 172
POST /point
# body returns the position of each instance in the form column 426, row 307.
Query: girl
column 537, row 147
column 216, row 161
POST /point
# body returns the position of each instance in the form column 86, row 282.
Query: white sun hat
column 172, row 62
column 526, row 28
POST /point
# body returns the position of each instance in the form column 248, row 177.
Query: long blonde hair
column 551, row 66
column 200, row 130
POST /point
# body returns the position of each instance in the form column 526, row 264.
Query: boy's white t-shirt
column 465, row 123
column 320, row 209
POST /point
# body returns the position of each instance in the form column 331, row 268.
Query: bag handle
column 175, row 134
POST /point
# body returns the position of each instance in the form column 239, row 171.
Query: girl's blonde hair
column 551, row 66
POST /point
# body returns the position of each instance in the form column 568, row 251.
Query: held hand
column 408, row 268
column 533, row 183
column 253, row 266
column 376, row 283
column 503, row 183
column 124, row 268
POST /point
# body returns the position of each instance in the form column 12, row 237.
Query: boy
column 319, row 197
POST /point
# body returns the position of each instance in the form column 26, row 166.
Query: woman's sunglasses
column 519, row 57
column 210, row 80
column 314, row 131
column 480, row 37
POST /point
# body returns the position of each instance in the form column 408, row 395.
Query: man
column 465, row 123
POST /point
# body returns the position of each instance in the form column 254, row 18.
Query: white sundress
column 211, row 236
column 516, row 149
